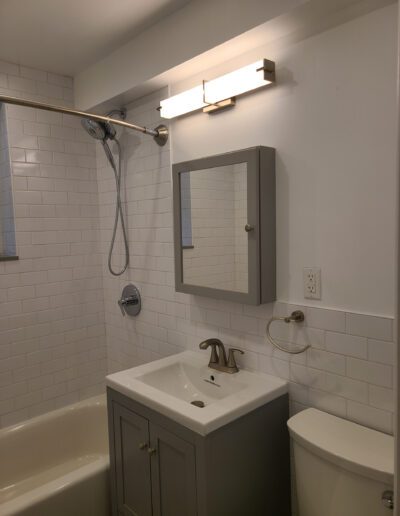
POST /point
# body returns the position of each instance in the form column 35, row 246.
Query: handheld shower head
column 98, row 130
column 103, row 130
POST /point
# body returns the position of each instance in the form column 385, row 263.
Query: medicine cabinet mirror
column 224, row 226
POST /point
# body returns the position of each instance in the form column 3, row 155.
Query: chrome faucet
column 218, row 358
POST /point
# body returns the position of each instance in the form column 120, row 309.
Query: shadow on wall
column 282, row 221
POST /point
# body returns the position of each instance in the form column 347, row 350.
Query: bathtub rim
column 98, row 400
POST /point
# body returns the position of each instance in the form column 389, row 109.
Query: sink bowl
column 183, row 388
column 190, row 383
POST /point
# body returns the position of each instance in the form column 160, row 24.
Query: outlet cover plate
column 312, row 282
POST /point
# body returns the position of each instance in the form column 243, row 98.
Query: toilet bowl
column 341, row 468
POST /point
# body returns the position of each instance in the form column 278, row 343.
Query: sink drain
column 198, row 403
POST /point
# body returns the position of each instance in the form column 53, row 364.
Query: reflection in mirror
column 7, row 229
column 213, row 238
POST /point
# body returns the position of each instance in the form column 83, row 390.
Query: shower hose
column 118, row 209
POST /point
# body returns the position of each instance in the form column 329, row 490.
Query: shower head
column 103, row 130
column 98, row 130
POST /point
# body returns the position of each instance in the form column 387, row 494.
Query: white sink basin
column 171, row 384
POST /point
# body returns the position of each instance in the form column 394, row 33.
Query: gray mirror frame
column 260, row 214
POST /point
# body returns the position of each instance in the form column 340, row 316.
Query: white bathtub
column 57, row 464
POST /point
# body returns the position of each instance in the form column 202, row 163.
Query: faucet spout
column 215, row 356
column 218, row 358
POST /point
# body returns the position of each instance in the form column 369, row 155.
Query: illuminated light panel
column 189, row 100
column 215, row 93
column 235, row 83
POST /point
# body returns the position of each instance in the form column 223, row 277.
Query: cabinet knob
column 143, row 446
column 152, row 451
column 248, row 228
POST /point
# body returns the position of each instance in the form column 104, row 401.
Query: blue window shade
column 7, row 227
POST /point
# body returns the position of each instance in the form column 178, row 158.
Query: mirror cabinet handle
column 248, row 228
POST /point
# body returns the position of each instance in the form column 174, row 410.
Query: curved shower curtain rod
column 160, row 133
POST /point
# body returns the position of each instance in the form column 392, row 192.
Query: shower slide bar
column 160, row 133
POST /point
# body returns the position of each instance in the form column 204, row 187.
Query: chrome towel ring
column 296, row 316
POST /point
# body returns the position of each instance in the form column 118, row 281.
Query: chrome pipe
column 160, row 133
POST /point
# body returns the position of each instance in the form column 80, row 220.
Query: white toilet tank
column 341, row 468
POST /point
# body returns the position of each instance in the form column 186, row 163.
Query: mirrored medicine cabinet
column 224, row 226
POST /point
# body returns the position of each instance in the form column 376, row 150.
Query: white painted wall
column 332, row 120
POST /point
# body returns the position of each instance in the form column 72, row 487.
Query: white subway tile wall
column 52, row 333
column 348, row 370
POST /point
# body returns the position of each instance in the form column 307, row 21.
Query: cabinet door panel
column 133, row 477
column 173, row 474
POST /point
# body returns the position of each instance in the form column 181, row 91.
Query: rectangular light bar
column 236, row 83
column 189, row 100
column 213, row 95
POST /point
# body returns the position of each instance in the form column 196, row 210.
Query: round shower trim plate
column 162, row 136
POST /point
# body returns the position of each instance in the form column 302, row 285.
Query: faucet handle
column 231, row 358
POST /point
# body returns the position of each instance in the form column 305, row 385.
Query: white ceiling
column 66, row 36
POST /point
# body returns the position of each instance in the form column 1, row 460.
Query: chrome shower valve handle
column 130, row 302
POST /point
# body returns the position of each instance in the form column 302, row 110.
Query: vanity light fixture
column 220, row 93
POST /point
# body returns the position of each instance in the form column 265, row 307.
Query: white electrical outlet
column 312, row 282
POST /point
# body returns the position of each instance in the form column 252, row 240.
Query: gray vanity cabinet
column 132, row 465
column 154, row 469
column 173, row 469
column 160, row 468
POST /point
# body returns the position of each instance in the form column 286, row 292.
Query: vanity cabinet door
column 173, row 474
column 132, row 464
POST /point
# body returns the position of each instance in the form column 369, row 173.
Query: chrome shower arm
column 160, row 133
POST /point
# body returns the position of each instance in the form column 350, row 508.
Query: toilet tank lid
column 348, row 445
